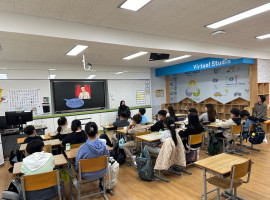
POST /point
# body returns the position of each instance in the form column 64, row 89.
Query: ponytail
column 59, row 129
column 170, row 124
column 61, row 121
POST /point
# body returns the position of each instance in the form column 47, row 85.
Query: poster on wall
column 173, row 88
column 159, row 93
column 147, row 87
column 223, row 84
column 140, row 97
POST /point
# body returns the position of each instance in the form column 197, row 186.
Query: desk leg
column 204, row 185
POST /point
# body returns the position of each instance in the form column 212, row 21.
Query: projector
column 158, row 56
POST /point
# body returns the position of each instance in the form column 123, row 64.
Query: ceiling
column 183, row 19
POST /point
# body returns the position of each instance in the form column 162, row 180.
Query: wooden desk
column 121, row 131
column 107, row 127
column 179, row 123
column 180, row 115
column 60, row 160
column 212, row 125
column 55, row 142
column 219, row 165
column 44, row 137
column 152, row 137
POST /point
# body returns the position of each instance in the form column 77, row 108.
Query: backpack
column 258, row 135
column 118, row 154
column 108, row 141
column 214, row 145
column 144, row 166
column 13, row 191
column 111, row 173
column 121, row 143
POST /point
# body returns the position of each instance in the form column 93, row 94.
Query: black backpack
column 258, row 135
column 118, row 154
column 144, row 166
column 214, row 145
column 108, row 141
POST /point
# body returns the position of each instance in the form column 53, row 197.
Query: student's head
column 211, row 112
column 193, row 120
column 192, row 110
column 171, row 111
column 76, row 125
column 234, row 112
column 62, row 121
column 91, row 129
column 169, row 124
column 137, row 119
column 35, row 146
column 162, row 114
column 244, row 114
column 142, row 111
column 261, row 98
column 83, row 89
column 123, row 116
column 30, row 130
column 122, row 103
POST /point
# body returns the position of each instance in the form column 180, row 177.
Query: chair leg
column 104, row 188
column 223, row 146
column 182, row 170
column 218, row 193
column 79, row 191
column 235, row 194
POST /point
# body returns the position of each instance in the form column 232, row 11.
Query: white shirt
column 165, row 134
column 84, row 95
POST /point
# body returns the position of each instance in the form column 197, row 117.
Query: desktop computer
column 15, row 118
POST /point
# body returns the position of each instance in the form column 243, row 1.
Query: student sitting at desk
column 32, row 134
column 191, row 110
column 92, row 148
column 159, row 124
column 142, row 112
column 210, row 114
column 194, row 127
column 134, row 128
column 36, row 163
column 123, row 122
column 246, row 121
column 169, row 131
column 171, row 113
column 62, row 130
column 77, row 136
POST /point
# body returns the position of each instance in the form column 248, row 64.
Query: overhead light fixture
column 218, row 33
column 76, row 50
column 3, row 76
column 91, row 76
column 52, row 69
column 134, row 5
column 177, row 58
column 119, row 72
column 263, row 36
column 135, row 55
column 52, row 76
column 243, row 15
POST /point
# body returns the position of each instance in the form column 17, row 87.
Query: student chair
column 235, row 129
column 40, row 181
column 250, row 131
column 137, row 140
column 75, row 146
column 91, row 165
column 234, row 181
column 192, row 140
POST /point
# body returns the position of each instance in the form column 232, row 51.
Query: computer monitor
column 18, row 118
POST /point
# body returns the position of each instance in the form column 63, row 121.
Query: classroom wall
column 156, row 84
column 263, row 70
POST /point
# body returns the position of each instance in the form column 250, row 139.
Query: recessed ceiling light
column 218, row 33
column 134, row 5
column 135, row 55
column 119, row 72
column 52, row 69
column 243, row 15
column 76, row 50
column 91, row 76
column 3, row 76
column 177, row 58
column 52, row 76
column 263, row 36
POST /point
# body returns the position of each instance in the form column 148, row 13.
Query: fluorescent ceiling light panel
column 52, row 76
column 243, row 15
column 134, row 5
column 52, row 69
column 3, row 76
column 135, row 55
column 119, row 72
column 76, row 50
column 177, row 58
column 91, row 76
column 263, row 36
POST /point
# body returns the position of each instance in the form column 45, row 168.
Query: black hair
column 121, row 102
column 244, row 113
column 162, row 113
column 262, row 98
column 124, row 115
column 194, row 122
column 142, row 111
column 75, row 124
column 211, row 112
column 172, row 113
column 235, row 112
column 61, row 121
column 34, row 146
column 137, row 118
column 192, row 110
column 29, row 130
column 170, row 124
column 91, row 129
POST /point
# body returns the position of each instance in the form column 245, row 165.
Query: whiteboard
column 119, row 90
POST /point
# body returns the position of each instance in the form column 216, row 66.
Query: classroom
column 134, row 99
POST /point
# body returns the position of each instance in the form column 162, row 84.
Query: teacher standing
column 260, row 109
column 123, row 109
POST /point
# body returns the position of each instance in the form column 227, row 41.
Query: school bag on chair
column 13, row 191
column 144, row 166
column 111, row 174
column 258, row 135
column 214, row 145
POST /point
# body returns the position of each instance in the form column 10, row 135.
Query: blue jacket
column 92, row 149
column 246, row 125
column 144, row 120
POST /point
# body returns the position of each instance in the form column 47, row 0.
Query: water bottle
column 160, row 131
column 67, row 146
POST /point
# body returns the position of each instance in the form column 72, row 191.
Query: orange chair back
column 195, row 139
column 236, row 129
column 141, row 133
column 93, row 164
column 241, row 170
